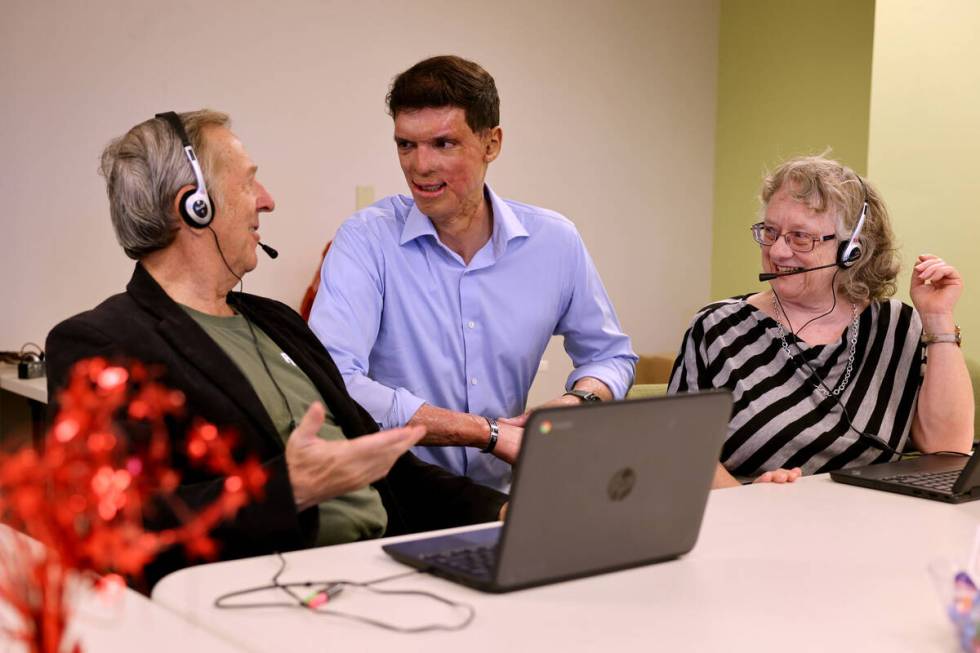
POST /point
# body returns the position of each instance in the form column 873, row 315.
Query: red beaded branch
column 107, row 461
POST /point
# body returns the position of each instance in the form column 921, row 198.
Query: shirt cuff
column 617, row 375
column 390, row 407
column 404, row 407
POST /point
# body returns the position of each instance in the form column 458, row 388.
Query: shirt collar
column 417, row 224
column 506, row 225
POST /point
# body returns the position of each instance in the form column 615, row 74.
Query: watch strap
column 931, row 338
column 494, row 434
column 584, row 395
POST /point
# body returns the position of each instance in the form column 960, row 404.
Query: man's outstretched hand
column 323, row 469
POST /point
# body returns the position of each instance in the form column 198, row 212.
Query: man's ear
column 176, row 203
column 492, row 141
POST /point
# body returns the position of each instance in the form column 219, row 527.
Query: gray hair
column 143, row 171
column 827, row 186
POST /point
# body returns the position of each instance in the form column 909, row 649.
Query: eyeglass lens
column 798, row 241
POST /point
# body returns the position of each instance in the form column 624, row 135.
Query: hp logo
column 621, row 484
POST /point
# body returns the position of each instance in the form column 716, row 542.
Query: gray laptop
column 597, row 487
column 940, row 477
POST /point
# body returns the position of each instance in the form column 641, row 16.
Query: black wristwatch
column 494, row 434
column 586, row 396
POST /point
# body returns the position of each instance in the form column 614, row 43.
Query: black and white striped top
column 779, row 419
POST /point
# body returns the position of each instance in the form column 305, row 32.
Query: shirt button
column 471, row 324
column 473, row 380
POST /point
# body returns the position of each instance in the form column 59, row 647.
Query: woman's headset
column 850, row 251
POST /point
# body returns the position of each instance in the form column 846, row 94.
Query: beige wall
column 925, row 137
column 607, row 109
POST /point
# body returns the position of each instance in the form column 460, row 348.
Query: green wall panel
column 794, row 78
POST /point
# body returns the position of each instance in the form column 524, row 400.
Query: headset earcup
column 182, row 207
column 210, row 205
column 186, row 207
column 850, row 260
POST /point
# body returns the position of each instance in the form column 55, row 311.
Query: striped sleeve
column 691, row 372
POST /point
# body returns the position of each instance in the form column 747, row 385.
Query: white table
column 35, row 391
column 122, row 621
column 130, row 622
column 134, row 623
column 814, row 566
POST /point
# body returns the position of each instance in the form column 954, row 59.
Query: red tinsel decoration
column 107, row 458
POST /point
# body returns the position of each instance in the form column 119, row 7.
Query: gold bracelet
column 930, row 338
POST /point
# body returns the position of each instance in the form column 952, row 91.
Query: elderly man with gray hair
column 191, row 222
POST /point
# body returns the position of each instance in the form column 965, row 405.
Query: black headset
column 849, row 252
column 195, row 205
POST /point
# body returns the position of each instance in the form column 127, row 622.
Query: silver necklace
column 852, row 333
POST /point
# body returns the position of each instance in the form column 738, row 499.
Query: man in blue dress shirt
column 437, row 308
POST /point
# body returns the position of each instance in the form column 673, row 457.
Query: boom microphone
column 268, row 250
column 769, row 276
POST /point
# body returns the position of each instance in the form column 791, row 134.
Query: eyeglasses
column 798, row 241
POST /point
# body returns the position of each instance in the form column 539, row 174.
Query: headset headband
column 174, row 121
column 195, row 206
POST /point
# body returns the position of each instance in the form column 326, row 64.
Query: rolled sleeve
column 617, row 374
column 390, row 407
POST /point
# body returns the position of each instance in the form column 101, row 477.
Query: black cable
column 833, row 284
column 875, row 440
column 336, row 586
column 385, row 579
column 19, row 356
column 255, row 340
column 222, row 254
column 12, row 357
column 285, row 401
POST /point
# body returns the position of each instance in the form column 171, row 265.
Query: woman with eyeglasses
column 826, row 369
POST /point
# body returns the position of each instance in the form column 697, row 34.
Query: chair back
column 642, row 390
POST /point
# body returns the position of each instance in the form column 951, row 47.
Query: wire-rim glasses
column 798, row 241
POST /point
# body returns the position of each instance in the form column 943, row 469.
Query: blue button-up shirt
column 408, row 322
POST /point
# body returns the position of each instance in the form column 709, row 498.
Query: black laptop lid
column 969, row 478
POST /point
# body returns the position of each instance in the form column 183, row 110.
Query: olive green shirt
column 354, row 516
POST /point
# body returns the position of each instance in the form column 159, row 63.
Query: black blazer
column 145, row 324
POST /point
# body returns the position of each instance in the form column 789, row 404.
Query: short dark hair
column 447, row 81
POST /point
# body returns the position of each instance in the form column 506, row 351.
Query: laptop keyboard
column 475, row 561
column 938, row 481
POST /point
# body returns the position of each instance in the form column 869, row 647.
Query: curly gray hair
column 825, row 185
